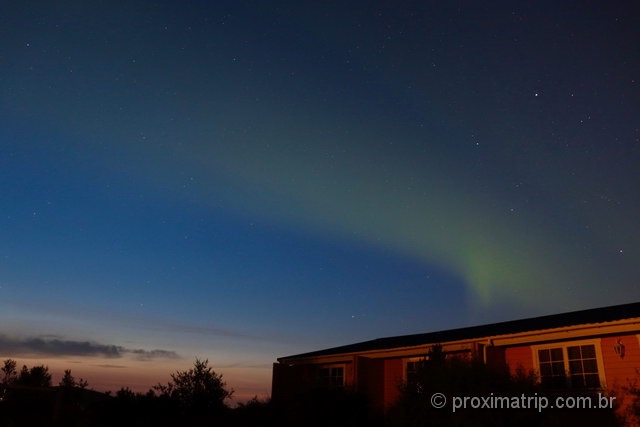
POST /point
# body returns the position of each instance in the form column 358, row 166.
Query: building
column 590, row 349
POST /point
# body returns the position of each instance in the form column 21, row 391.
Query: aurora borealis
column 239, row 181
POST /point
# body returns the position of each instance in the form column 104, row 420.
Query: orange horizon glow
column 140, row 376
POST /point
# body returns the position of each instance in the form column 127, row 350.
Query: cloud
column 53, row 346
column 110, row 366
column 153, row 354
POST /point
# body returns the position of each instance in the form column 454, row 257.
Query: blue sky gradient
column 239, row 181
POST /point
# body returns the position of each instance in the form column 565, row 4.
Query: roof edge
column 539, row 323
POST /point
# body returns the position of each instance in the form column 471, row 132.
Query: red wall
column 519, row 357
column 393, row 373
column 618, row 370
column 370, row 379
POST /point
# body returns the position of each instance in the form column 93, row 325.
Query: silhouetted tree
column 459, row 377
column 37, row 376
column 125, row 394
column 629, row 397
column 255, row 412
column 69, row 381
column 195, row 397
column 9, row 372
column 199, row 392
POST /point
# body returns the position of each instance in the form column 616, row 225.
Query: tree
column 450, row 376
column 459, row 376
column 69, row 381
column 200, row 392
column 125, row 394
column 37, row 376
column 9, row 371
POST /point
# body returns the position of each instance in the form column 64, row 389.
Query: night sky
column 243, row 180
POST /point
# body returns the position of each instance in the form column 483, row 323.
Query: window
column 552, row 372
column 331, row 376
column 583, row 366
column 412, row 371
column 574, row 366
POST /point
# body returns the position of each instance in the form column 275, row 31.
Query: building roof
column 596, row 315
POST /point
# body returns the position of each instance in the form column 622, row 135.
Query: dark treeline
column 199, row 397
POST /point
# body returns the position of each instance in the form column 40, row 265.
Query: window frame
column 564, row 345
column 405, row 366
column 331, row 366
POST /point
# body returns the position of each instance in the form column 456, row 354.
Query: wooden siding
column 349, row 374
column 519, row 358
column 393, row 372
column 370, row 380
column 618, row 371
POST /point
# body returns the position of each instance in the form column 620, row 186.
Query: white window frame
column 564, row 345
